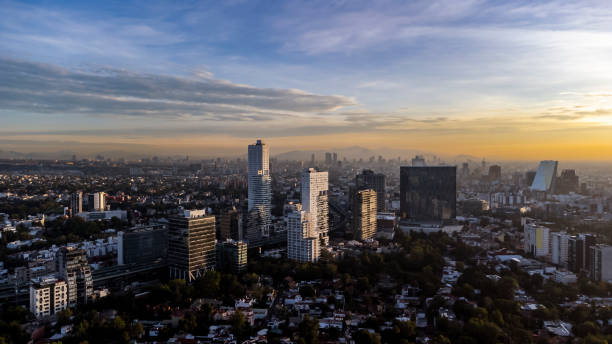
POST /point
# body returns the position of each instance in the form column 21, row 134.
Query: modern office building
column 229, row 225
column 232, row 256
column 74, row 269
column 76, row 203
column 579, row 252
column 536, row 240
column 559, row 248
column 48, row 296
column 601, row 264
column 142, row 244
column 303, row 242
column 428, row 193
column 364, row 214
column 191, row 244
column 568, row 182
column 545, row 178
column 259, row 193
column 376, row 181
column 314, row 200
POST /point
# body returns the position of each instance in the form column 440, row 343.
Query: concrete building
column 559, row 248
column 259, row 191
column 48, row 296
column 418, row 161
column 232, row 256
column 303, row 242
column 314, row 201
column 601, row 263
column 536, row 240
column 367, row 179
column 97, row 201
column 364, row 214
column 579, row 252
column 73, row 267
column 191, row 244
column 142, row 244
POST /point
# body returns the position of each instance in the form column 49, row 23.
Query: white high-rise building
column 99, row 201
column 601, row 263
column 303, row 243
column 260, row 195
column 536, row 240
column 314, row 200
column 559, row 248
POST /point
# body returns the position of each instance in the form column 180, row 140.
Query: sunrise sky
column 497, row 79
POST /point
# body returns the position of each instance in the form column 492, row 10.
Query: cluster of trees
column 20, row 209
column 11, row 318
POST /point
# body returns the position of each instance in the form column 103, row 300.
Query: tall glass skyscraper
column 260, row 194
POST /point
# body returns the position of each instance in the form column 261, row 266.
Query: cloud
column 42, row 88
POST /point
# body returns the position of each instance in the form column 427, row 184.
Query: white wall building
column 303, row 242
column 537, row 240
column 48, row 296
column 314, row 200
column 559, row 248
column 601, row 263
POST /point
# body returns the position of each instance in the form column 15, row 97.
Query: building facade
column 191, row 244
column 367, row 179
column 76, row 203
column 74, row 269
column 536, row 240
column 232, row 256
column 259, row 190
column 428, row 193
column 303, row 242
column 601, row 263
column 314, row 201
column 48, row 296
column 143, row 244
column 364, row 214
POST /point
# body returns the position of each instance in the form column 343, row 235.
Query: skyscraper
column 260, row 193
column 76, row 203
column 536, row 240
column 364, row 214
column 568, row 182
column 314, row 201
column 73, row 267
column 303, row 243
column 428, row 193
column 376, row 181
column 545, row 178
column 191, row 244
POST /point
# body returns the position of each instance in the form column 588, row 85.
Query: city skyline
column 508, row 81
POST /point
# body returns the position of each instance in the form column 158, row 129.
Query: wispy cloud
column 42, row 88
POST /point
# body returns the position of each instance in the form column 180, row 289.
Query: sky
column 497, row 79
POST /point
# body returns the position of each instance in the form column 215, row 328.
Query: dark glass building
column 142, row 245
column 428, row 193
column 375, row 181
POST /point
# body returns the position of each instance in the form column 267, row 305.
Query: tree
column 366, row 337
column 308, row 330
column 239, row 325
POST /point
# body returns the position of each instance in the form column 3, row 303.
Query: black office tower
column 375, row 181
column 428, row 193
